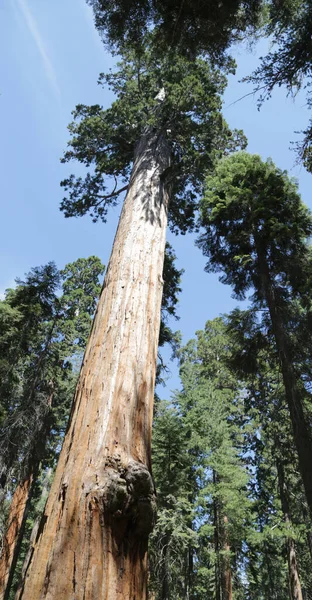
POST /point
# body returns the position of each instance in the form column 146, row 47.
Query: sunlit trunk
column 92, row 540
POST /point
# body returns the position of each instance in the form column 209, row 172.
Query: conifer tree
column 203, row 505
column 277, row 483
column 52, row 331
column 256, row 231
column 187, row 28
column 288, row 24
column 166, row 128
column 74, row 309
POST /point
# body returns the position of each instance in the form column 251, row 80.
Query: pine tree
column 52, row 330
column 200, row 477
column 211, row 402
column 256, row 231
column 173, row 537
column 276, row 486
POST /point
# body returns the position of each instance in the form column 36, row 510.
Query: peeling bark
column 92, row 541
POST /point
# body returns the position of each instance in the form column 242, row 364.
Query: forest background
column 53, row 56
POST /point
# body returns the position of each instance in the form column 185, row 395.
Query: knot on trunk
column 129, row 498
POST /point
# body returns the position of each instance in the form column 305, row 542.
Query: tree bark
column 92, row 540
column 12, row 538
column 300, row 424
column 35, row 529
column 216, row 542
column 226, row 574
column 295, row 592
column 20, row 505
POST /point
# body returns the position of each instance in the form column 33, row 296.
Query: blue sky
column 52, row 56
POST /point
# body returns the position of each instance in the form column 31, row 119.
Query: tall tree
column 256, row 231
column 211, row 403
column 276, row 484
column 166, row 127
column 173, row 537
column 200, row 478
column 53, row 330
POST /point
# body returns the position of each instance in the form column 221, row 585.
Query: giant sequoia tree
column 256, row 231
column 159, row 136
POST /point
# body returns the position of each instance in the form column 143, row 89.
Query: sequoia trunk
column 92, row 540
column 294, row 396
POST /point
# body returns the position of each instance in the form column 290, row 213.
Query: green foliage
column 289, row 27
column 246, row 199
column 256, row 231
column 289, row 24
column 187, row 27
column 197, row 467
column 228, row 482
column 275, row 484
column 37, row 349
column 173, row 534
column 189, row 117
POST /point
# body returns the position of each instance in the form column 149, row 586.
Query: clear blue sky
column 51, row 58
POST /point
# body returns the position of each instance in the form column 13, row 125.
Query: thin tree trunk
column 165, row 587
column 294, row 581
column 226, row 574
column 7, row 458
column 309, row 540
column 188, row 572
column 300, row 424
column 92, row 540
column 20, row 506
column 295, row 592
column 216, row 542
column 272, row 592
column 12, row 538
column 35, row 529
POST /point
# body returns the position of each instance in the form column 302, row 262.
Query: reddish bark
column 92, row 540
column 10, row 541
